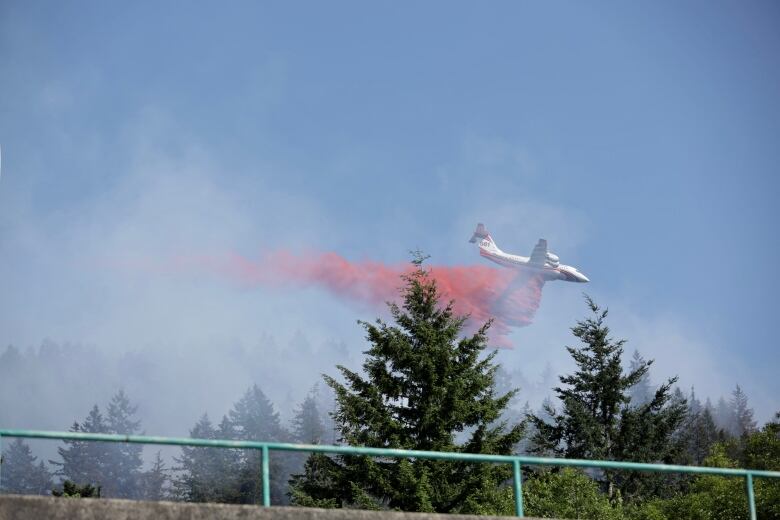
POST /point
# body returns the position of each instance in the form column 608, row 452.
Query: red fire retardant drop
column 510, row 297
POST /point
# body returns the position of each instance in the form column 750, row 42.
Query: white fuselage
column 548, row 270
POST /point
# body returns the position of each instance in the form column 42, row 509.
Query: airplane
column 541, row 261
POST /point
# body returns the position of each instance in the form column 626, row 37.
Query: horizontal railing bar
column 387, row 452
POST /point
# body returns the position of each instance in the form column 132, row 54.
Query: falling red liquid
column 509, row 297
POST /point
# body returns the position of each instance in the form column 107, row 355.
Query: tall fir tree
column 114, row 468
column 125, row 459
column 505, row 383
column 697, row 432
column 227, row 463
column 326, row 402
column 642, row 392
column 724, row 417
column 523, row 447
column 423, row 385
column 254, row 418
column 207, row 474
column 694, row 405
column 84, row 462
column 704, row 435
column 22, row 472
column 596, row 420
column 154, row 483
column 307, row 425
column 742, row 414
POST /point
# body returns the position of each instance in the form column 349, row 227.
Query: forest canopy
column 426, row 385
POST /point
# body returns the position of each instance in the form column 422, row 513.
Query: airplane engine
column 553, row 259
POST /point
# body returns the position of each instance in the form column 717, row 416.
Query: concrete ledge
column 18, row 507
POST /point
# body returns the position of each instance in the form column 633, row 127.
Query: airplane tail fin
column 483, row 238
column 479, row 234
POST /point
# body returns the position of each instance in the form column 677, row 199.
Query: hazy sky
column 640, row 139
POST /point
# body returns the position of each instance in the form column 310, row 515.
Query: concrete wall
column 15, row 507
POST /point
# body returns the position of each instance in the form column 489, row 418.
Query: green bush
column 567, row 494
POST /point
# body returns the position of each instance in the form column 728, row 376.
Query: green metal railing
column 516, row 461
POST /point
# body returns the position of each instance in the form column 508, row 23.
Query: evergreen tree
column 423, row 384
column 697, row 432
column 21, row 473
column 307, row 426
column 716, row 497
column 254, row 419
column 205, row 474
column 724, row 417
column 125, row 459
column 694, row 405
column 596, row 420
column 742, row 414
column 546, row 414
column 227, row 463
column 85, row 462
column 523, row 447
column 154, row 483
column 642, row 392
column 705, row 435
column 505, row 383
column 114, row 468
column 326, row 402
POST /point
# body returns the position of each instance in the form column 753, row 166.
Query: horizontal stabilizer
column 479, row 234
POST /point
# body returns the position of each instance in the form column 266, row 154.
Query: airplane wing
column 539, row 254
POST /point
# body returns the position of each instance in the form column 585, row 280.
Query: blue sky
column 640, row 138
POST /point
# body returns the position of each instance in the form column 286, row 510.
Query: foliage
column 72, row 490
column 724, row 498
column 154, row 483
column 596, row 420
column 700, row 433
column 253, row 417
column 742, row 413
column 423, row 385
column 115, row 467
column 307, row 428
column 123, row 466
column 641, row 392
column 568, row 493
column 21, row 473
column 235, row 476
column 724, row 417
column 207, row 474
column 307, row 425
column 84, row 461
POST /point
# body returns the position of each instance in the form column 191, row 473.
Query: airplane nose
column 583, row 278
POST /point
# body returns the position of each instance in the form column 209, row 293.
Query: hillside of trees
column 425, row 385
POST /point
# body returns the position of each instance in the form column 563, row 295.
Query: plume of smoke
column 509, row 297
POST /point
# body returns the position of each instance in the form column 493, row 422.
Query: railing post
column 266, row 478
column 518, row 483
column 750, row 495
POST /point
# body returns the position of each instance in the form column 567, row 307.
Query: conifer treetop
column 423, row 383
